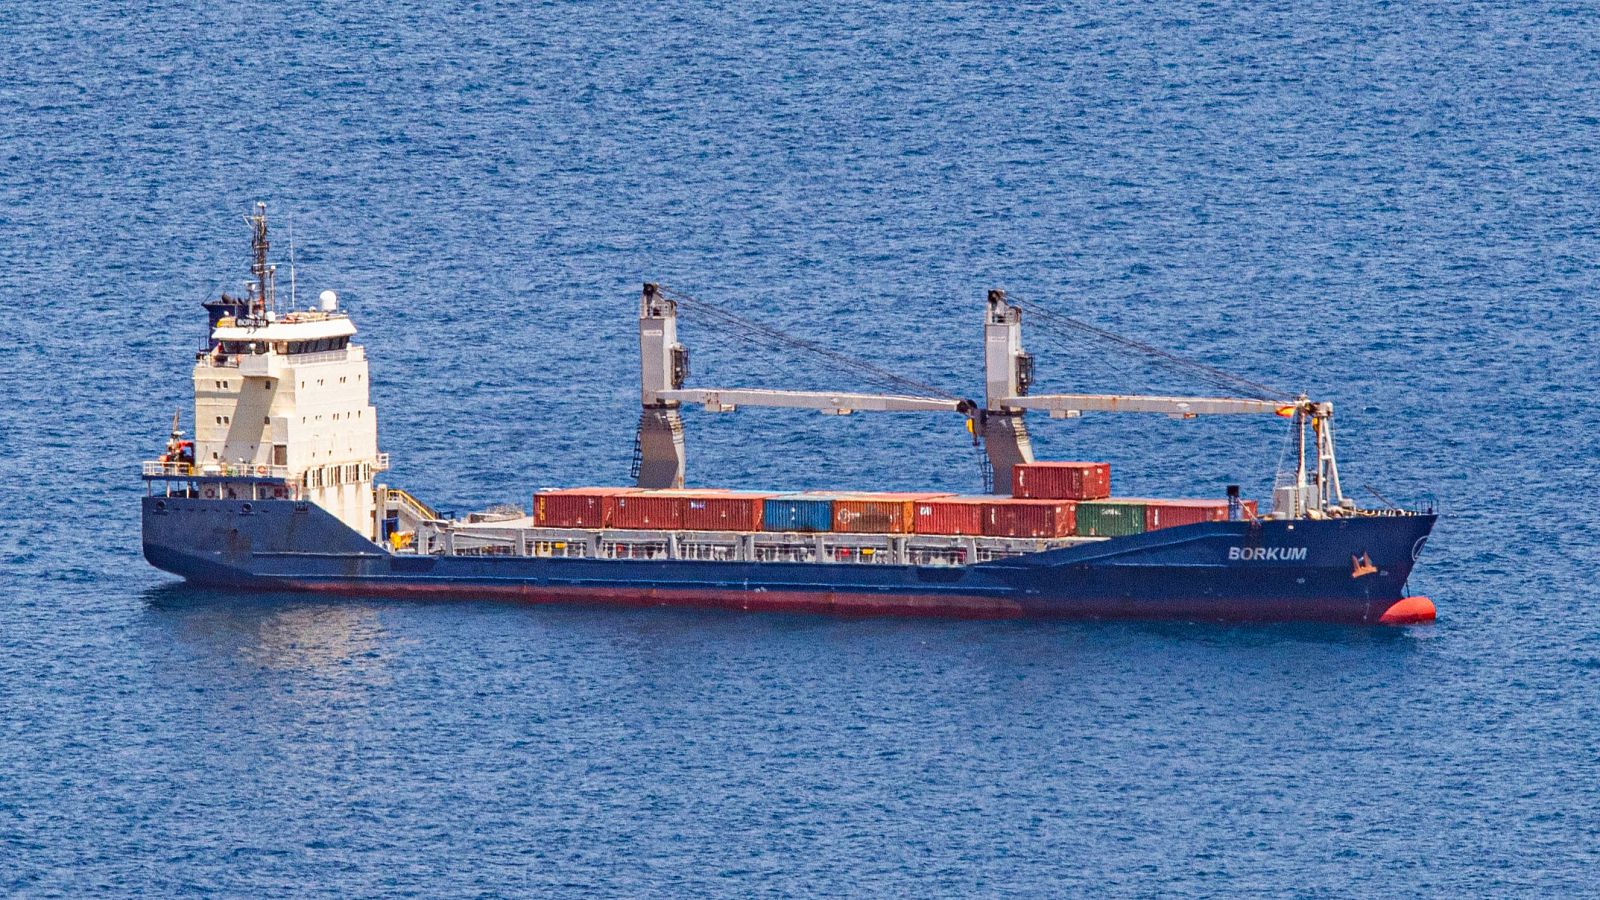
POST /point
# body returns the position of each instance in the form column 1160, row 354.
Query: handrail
column 416, row 507
column 235, row 360
column 321, row 356
column 157, row 468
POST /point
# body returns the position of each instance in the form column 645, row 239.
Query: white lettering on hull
column 1266, row 554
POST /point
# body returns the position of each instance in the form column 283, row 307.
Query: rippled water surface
column 1390, row 205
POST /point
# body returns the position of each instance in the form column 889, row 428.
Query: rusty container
column 1172, row 513
column 649, row 510
column 949, row 515
column 1029, row 518
column 588, row 507
column 1061, row 480
column 723, row 510
column 876, row 513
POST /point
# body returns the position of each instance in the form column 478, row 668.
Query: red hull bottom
column 1410, row 610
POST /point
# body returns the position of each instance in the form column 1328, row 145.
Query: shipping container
column 1116, row 517
column 949, row 515
column 653, row 510
column 876, row 513
column 1172, row 513
column 1061, row 480
column 1029, row 518
column 797, row 512
column 576, row 507
column 724, row 510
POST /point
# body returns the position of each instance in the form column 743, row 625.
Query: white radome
column 328, row 300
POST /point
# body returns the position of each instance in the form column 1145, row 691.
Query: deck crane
column 1000, row 423
column 664, row 366
column 1008, row 372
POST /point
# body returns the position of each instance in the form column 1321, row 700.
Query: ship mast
column 263, row 296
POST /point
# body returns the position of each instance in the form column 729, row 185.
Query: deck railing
column 157, row 468
column 419, row 510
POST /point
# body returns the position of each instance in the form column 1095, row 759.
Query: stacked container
column 885, row 513
column 797, row 512
column 949, row 515
column 1061, row 480
column 589, row 507
column 713, row 509
column 655, row 510
column 724, row 511
column 1111, row 518
column 1029, row 518
column 1172, row 513
column 670, row 509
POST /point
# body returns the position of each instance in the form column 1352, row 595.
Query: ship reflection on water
column 279, row 632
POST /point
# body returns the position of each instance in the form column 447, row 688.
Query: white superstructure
column 281, row 399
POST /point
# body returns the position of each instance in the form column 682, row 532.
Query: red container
column 723, row 510
column 1061, row 480
column 1172, row 513
column 949, row 515
column 1029, row 518
column 876, row 513
column 576, row 507
column 655, row 510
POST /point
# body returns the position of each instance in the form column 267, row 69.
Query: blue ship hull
column 1270, row 570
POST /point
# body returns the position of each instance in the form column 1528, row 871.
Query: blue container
column 797, row 512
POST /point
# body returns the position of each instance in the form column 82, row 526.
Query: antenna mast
column 291, row 264
column 264, row 294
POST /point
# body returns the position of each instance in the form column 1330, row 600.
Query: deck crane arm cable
column 664, row 367
column 752, row 331
column 1067, row 325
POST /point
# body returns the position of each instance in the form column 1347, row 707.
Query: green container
column 1110, row 518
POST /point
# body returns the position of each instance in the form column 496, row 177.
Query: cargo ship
column 282, row 488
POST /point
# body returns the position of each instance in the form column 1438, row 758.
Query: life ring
column 261, row 470
column 211, row 493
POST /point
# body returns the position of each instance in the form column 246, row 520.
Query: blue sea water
column 1391, row 205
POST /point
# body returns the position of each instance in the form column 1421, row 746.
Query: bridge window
column 321, row 345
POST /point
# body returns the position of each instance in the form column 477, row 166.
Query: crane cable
column 751, row 331
column 1222, row 378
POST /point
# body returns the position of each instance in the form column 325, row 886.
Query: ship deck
column 522, row 536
